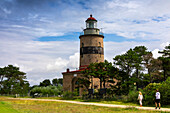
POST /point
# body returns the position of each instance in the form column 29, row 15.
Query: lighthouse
column 91, row 44
column 91, row 51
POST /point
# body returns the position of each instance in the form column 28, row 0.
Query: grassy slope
column 59, row 107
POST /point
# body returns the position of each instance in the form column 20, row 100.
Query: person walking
column 158, row 98
column 140, row 97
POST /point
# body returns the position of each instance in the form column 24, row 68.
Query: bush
column 68, row 95
column 165, row 92
column 50, row 90
column 149, row 93
column 132, row 96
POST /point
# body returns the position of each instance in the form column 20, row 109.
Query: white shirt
column 158, row 95
column 140, row 97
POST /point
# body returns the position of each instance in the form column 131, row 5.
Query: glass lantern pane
column 91, row 24
column 95, row 25
column 87, row 25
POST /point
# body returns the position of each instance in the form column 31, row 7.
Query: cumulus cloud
column 156, row 54
column 61, row 63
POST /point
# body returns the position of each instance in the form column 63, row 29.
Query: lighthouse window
column 82, row 44
column 95, row 24
column 91, row 24
column 99, row 44
column 87, row 25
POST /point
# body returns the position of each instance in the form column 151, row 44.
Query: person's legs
column 156, row 105
column 140, row 101
column 159, row 105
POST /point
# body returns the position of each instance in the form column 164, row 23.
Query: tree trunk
column 104, row 83
column 100, row 83
column 150, row 75
column 137, row 84
column 91, row 82
column 164, row 74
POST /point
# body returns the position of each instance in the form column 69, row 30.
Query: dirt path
column 97, row 104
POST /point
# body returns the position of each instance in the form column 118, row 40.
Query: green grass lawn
column 6, row 107
column 31, row 106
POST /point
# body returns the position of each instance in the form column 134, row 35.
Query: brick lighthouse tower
column 91, row 44
column 91, row 51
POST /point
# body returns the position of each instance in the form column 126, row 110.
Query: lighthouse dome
column 91, row 18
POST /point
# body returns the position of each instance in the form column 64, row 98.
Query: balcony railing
column 100, row 33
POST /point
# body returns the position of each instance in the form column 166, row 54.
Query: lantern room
column 91, row 26
column 91, row 22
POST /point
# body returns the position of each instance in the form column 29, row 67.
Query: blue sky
column 42, row 36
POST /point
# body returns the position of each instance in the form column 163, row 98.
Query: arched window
column 76, row 83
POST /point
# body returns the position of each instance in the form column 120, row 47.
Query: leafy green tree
column 165, row 61
column 102, row 70
column 126, row 64
column 55, row 82
column 45, row 83
column 87, row 77
column 147, row 59
column 84, row 81
column 101, row 73
column 1, row 77
column 13, row 81
column 165, row 92
column 138, row 58
column 60, row 81
column 132, row 61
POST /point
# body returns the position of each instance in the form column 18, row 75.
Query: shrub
column 165, row 92
column 132, row 96
column 50, row 90
column 67, row 95
column 149, row 93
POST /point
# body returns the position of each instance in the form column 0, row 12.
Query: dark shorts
column 157, row 100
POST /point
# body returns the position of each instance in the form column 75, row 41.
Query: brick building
column 91, row 51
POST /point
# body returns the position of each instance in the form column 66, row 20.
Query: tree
column 13, row 81
column 60, row 81
column 147, row 59
column 102, row 70
column 165, row 61
column 132, row 61
column 57, row 82
column 87, row 76
column 125, row 63
column 45, row 83
column 1, row 77
column 138, row 58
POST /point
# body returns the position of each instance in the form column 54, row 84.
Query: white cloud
column 40, row 59
column 74, row 61
column 58, row 65
column 164, row 44
column 156, row 54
